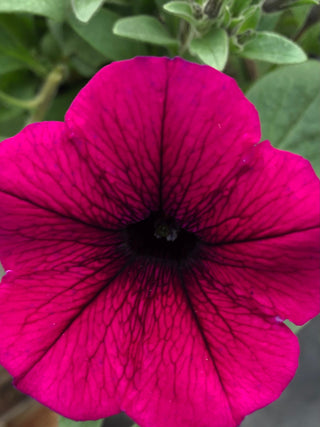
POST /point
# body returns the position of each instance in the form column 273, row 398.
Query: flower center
column 161, row 237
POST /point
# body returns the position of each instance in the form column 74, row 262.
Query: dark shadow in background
column 119, row 420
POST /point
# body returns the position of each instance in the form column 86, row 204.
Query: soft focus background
column 49, row 49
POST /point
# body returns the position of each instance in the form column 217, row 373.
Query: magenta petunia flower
column 152, row 249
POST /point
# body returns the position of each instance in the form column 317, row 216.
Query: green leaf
column 272, row 47
column 295, row 328
column 98, row 33
column 303, row 2
column 8, row 64
column 309, row 40
column 65, row 422
column 84, row 9
column 20, row 84
column 118, row 2
column 235, row 24
column 144, row 28
column 182, row 9
column 11, row 46
column 250, row 19
column 300, row 15
column 268, row 21
column 226, row 17
column 54, row 9
column 237, row 7
column 291, row 21
column 288, row 101
column 83, row 57
column 21, row 27
column 12, row 120
column 212, row 48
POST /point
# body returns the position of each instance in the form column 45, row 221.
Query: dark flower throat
column 161, row 237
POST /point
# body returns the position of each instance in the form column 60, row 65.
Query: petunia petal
column 42, row 166
column 204, row 138
column 268, row 193
column 90, row 328
column 124, row 135
column 263, row 234
column 279, row 275
column 252, row 356
column 173, row 352
column 156, row 141
column 56, row 320
column 257, row 193
column 57, row 252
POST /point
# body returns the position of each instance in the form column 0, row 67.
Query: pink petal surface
column 165, row 360
column 265, row 236
column 124, row 136
column 279, row 275
column 87, row 327
column 171, row 122
column 46, row 168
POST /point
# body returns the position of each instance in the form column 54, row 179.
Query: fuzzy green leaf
column 272, row 47
column 84, row 9
column 288, row 101
column 144, row 28
column 212, row 48
column 98, row 33
column 54, row 9
column 239, row 6
column 182, row 9
column 250, row 19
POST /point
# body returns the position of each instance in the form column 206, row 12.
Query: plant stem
column 15, row 102
column 40, row 104
column 186, row 34
column 42, row 101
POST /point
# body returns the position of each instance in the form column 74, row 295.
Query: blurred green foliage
column 65, row 422
column 288, row 101
column 246, row 39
